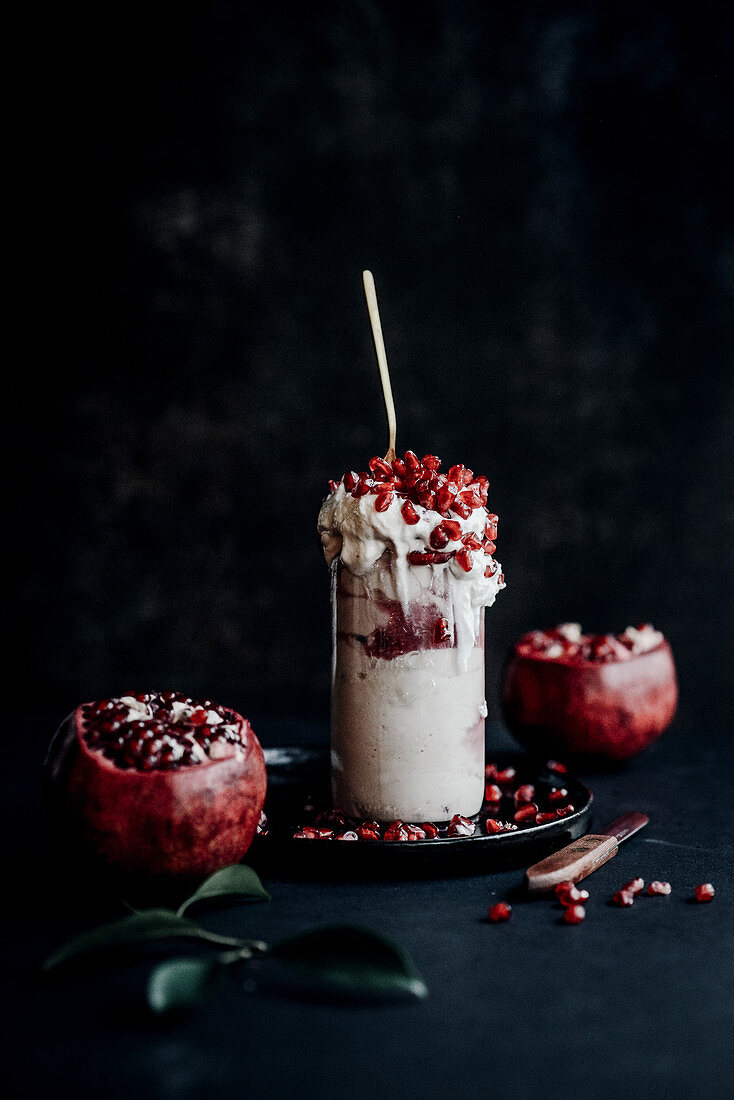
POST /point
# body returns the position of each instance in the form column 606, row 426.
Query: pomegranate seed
column 349, row 480
column 461, row 508
column 421, row 557
column 348, row 835
column 399, row 468
column 456, row 474
column 427, row 499
column 558, row 794
column 568, row 893
column 635, row 886
column 526, row 812
column 564, row 811
column 365, row 832
column 489, row 548
column 490, row 770
column 471, row 498
column 415, row 832
column 452, row 527
column 471, row 541
column 198, row 717
column 460, row 826
column 525, row 793
column 430, row 830
column 441, row 632
column 412, row 461
column 490, row 527
column 623, row 898
column 659, row 888
column 410, row 515
column 506, row 775
column 490, row 570
column 396, row 830
column 544, row 818
column 499, row 912
column 438, row 538
column 492, row 793
column 333, row 485
column 433, row 462
column 704, row 891
column 465, row 559
column 574, row 914
column 554, row 766
column 380, row 468
column 494, row 826
column 383, row 501
column 362, row 487
column 445, row 496
column 440, row 557
column 468, row 476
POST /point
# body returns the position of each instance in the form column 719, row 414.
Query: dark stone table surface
column 630, row 1003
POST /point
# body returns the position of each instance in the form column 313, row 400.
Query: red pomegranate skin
column 169, row 825
column 605, row 709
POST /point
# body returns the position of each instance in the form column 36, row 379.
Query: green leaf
column 237, row 881
column 132, row 931
column 182, row 984
column 354, row 961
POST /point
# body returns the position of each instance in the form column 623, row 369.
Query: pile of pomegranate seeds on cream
column 426, row 520
column 566, row 642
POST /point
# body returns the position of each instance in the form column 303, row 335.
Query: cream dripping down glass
column 412, row 569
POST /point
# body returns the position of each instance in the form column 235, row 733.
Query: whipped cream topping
column 354, row 532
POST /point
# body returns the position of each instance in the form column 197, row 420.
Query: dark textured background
column 543, row 192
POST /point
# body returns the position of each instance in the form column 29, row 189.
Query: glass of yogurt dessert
column 411, row 555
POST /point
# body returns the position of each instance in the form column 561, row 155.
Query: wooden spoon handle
column 572, row 863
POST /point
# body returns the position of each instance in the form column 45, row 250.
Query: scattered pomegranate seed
column 366, row 832
column 489, row 548
column 471, row 542
column 460, row 826
column 525, row 812
column 441, row 632
column 525, row 793
column 659, row 888
column 623, row 898
column 410, row 515
column 333, row 485
column 564, row 811
column 442, row 555
column 493, row 826
column 433, row 462
column 568, row 893
column 362, row 487
column 465, row 559
column 492, row 792
column 383, row 501
column 490, row 527
column 412, row 461
column 421, row 557
column 348, row 835
column 555, row 766
column 499, row 912
column 430, row 830
column 558, row 794
column 350, row 479
column 704, row 892
column 635, row 886
column 544, row 818
column 574, row 914
column 506, row 775
column 456, row 474
column 415, row 832
column 396, row 831
column 490, row 570
column 198, row 717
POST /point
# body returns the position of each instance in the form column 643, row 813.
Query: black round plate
column 298, row 788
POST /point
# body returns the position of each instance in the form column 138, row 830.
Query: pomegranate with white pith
column 589, row 695
column 157, row 786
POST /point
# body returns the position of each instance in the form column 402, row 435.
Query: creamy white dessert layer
column 407, row 734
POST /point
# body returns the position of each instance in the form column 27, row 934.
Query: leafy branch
column 339, row 959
